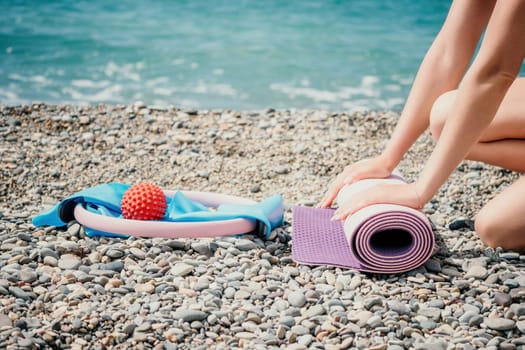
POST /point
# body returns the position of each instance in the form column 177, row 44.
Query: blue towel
column 105, row 200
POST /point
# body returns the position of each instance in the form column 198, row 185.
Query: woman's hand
column 364, row 169
column 401, row 194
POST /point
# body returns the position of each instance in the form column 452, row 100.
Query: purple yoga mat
column 381, row 238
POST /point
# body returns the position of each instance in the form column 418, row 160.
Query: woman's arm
column 480, row 94
column 441, row 70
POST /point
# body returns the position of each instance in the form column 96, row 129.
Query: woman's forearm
column 414, row 119
column 474, row 109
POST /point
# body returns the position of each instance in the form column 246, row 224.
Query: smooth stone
column 116, row 266
column 477, row 272
column 362, row 317
column 5, row 321
column 115, row 253
column 137, row 253
column 51, row 261
column 437, row 303
column 145, row 288
column 19, row 293
column 502, row 299
column 24, row 236
column 202, row 248
column 28, row 276
column 281, row 169
column 288, row 321
column 176, row 244
column 499, row 324
column 399, row 307
column 245, row 245
column 129, row 328
column 245, row 335
column 374, row 321
column 475, row 321
column 433, row 265
column 229, row 293
column 69, row 262
column 188, row 315
column 300, row 330
column 521, row 326
column 518, row 309
column 181, row 269
column 305, row 340
column 430, row 312
column 372, row 301
column 315, row 310
column 297, row 299
column 467, row 316
column 517, row 294
column 25, row 342
column 440, row 345
column 45, row 252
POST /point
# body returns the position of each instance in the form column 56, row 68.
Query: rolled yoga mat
column 380, row 238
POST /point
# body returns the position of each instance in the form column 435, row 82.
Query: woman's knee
column 494, row 232
column 439, row 113
column 486, row 227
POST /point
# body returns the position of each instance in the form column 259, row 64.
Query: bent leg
column 503, row 142
column 501, row 222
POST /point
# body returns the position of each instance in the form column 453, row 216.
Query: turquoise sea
column 244, row 54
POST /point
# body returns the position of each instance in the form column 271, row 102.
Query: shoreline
column 60, row 287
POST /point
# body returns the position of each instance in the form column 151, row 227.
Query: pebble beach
column 60, row 289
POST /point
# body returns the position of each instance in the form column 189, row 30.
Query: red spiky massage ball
column 143, row 201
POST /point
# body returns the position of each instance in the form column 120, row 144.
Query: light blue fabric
column 105, row 200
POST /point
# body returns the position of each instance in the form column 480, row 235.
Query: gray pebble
column 399, row 307
column 19, row 293
column 5, row 321
column 499, row 324
column 502, row 299
column 315, row 310
column 181, row 269
column 245, row 245
column 189, row 315
column 69, row 262
column 477, row 272
column 296, row 298
column 115, row 253
column 137, row 253
column 116, row 266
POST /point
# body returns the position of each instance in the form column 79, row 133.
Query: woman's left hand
column 401, row 194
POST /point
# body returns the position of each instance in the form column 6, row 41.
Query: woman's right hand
column 364, row 169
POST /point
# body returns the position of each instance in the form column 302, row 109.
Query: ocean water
column 244, row 54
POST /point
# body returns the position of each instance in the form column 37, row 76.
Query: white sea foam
column 392, row 87
column 157, row 81
column 367, row 87
column 218, row 89
column 178, row 61
column 9, row 97
column 84, row 83
column 125, row 71
column 108, row 94
column 369, row 81
column 39, row 79
column 162, row 91
column 403, row 80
